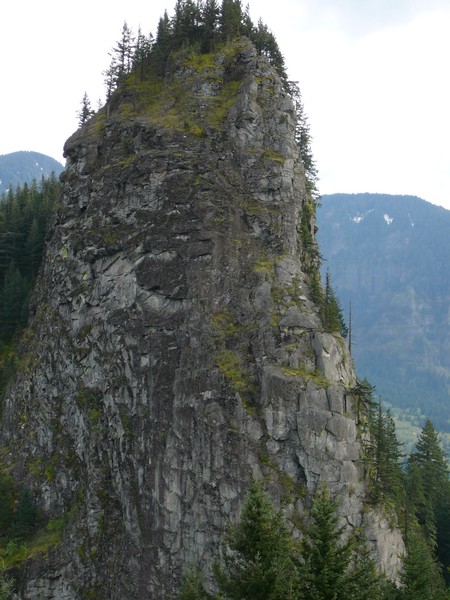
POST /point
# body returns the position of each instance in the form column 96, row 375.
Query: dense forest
column 24, row 217
column 24, row 220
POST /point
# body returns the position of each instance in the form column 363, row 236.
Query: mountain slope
column 389, row 257
column 22, row 167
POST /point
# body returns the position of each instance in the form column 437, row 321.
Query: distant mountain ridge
column 22, row 167
column 389, row 256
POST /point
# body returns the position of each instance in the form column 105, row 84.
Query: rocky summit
column 175, row 353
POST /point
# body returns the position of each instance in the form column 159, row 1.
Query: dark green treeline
column 24, row 218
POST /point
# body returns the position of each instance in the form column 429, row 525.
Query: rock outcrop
column 175, row 353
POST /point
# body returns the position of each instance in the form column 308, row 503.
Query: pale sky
column 374, row 77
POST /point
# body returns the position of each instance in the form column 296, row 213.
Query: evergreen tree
column 421, row 578
column 247, row 25
column 162, row 44
column 327, row 557
column 142, row 53
column 304, row 139
column 332, row 317
column 430, row 491
column 364, row 403
column 267, row 45
column 6, row 503
column 25, row 518
column 384, row 453
column 430, row 459
column 123, row 52
column 192, row 587
column 12, row 299
column 185, row 23
column 230, row 18
column 209, row 24
column 85, row 112
column 418, row 507
column 257, row 561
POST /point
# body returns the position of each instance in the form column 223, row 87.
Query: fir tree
column 85, row 112
column 6, row 503
column 335, row 566
column 384, row 453
column 257, row 560
column 162, row 44
column 230, row 18
column 332, row 317
column 209, row 18
column 421, row 578
column 12, row 301
column 25, row 518
column 192, row 587
column 304, row 140
column 429, row 491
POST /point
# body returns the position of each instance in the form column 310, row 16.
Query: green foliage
column 303, row 139
column 384, row 453
column 192, row 587
column 6, row 503
column 262, row 561
column 331, row 312
column 427, row 499
column 317, row 376
column 258, row 553
column 200, row 25
column 336, row 566
column 231, row 365
column 25, row 518
column 6, row 585
column 24, row 216
column 364, row 402
column 421, row 578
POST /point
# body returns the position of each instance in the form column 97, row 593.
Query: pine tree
column 332, row 317
column 209, row 17
column 364, row 403
column 421, row 578
column 85, row 112
column 230, row 18
column 192, row 587
column 257, row 560
column 142, row 53
column 384, row 453
column 162, row 44
column 123, row 51
column 430, row 459
column 6, row 503
column 431, row 500
column 327, row 557
column 336, row 565
column 12, row 299
column 25, row 518
column 185, row 23
column 304, row 139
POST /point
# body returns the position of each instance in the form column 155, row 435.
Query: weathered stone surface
column 175, row 351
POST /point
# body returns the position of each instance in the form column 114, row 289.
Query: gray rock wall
column 175, row 353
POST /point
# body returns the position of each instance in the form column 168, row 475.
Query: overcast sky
column 374, row 76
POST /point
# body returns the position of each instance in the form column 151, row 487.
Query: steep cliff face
column 175, row 353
